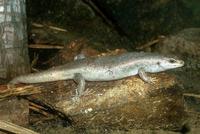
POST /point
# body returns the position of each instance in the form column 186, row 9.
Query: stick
column 98, row 11
column 192, row 95
column 50, row 27
column 10, row 127
column 18, row 91
column 150, row 43
column 44, row 46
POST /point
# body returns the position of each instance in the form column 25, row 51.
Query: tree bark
column 13, row 39
column 122, row 104
column 13, row 56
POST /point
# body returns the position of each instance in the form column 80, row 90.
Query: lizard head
column 169, row 63
column 163, row 63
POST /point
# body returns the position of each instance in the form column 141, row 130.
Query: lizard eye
column 172, row 60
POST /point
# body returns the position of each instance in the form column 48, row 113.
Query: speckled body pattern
column 104, row 68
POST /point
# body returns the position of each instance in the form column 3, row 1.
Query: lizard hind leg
column 78, row 78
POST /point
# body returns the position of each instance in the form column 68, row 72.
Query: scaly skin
column 104, row 69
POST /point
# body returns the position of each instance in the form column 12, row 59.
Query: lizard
column 105, row 68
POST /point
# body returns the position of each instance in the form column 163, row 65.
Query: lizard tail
column 14, row 81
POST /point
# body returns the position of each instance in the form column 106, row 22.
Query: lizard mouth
column 176, row 64
column 180, row 63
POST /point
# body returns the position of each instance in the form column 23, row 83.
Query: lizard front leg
column 78, row 78
column 144, row 76
column 79, row 57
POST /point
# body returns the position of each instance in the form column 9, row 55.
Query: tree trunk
column 13, row 39
column 13, row 56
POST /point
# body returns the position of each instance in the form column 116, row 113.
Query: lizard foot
column 153, row 80
column 75, row 99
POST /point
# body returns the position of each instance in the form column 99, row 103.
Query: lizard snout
column 181, row 62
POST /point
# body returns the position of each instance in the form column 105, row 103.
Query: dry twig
column 18, row 91
column 13, row 128
column 150, row 43
column 45, row 46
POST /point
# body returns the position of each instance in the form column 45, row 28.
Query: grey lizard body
column 104, row 69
